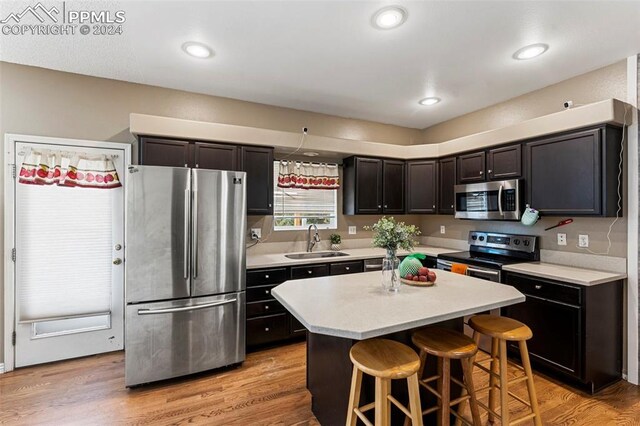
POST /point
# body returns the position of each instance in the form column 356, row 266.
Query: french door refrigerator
column 184, row 271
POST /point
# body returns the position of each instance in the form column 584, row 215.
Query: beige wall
column 604, row 83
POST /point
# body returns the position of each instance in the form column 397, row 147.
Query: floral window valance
column 50, row 167
column 294, row 174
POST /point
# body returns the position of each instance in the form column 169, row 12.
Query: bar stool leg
column 419, row 375
column 471, row 390
column 354, row 396
column 533, row 399
column 504, row 391
column 382, row 403
column 414, row 400
column 444, row 385
column 492, row 379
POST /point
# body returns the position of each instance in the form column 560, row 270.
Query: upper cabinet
column 257, row 162
column 215, row 156
column 165, row 152
column 373, row 186
column 471, row 167
column 393, row 187
column 447, row 182
column 504, row 162
column 574, row 174
column 422, row 186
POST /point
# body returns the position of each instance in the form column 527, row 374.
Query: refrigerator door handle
column 184, row 308
column 187, row 194
column 194, row 227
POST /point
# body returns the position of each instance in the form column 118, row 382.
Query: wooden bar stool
column 503, row 330
column 385, row 360
column 447, row 345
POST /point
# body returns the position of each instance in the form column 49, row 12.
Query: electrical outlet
column 352, row 230
column 256, row 233
column 562, row 239
column 583, row 241
column 442, row 230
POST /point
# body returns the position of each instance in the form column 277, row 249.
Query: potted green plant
column 335, row 241
column 392, row 235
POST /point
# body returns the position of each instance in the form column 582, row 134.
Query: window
column 297, row 208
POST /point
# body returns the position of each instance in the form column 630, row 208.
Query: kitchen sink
column 316, row 255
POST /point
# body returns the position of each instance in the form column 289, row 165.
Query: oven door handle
column 483, row 271
column 500, row 200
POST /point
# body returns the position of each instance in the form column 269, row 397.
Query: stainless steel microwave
column 500, row 200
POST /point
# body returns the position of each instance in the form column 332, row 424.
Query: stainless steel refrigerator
column 184, row 271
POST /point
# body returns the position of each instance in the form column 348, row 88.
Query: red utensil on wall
column 561, row 223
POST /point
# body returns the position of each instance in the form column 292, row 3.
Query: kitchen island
column 340, row 310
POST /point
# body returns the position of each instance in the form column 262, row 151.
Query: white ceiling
column 325, row 56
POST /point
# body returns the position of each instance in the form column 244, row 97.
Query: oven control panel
column 525, row 243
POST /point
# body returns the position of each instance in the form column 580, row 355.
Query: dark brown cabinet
column 422, row 184
column 257, row 162
column 577, row 330
column 165, row 152
column 574, row 174
column 392, row 187
column 471, row 167
column 373, row 186
column 504, row 162
column 215, row 156
column 447, row 182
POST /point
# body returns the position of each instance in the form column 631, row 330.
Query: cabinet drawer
column 269, row 307
column 266, row 276
column 346, row 268
column 295, row 327
column 267, row 329
column 257, row 294
column 546, row 289
column 311, row 271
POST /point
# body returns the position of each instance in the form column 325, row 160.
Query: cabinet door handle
column 379, row 207
column 489, row 171
column 481, row 172
column 538, row 287
column 434, row 206
column 197, row 166
column 385, row 206
column 266, row 329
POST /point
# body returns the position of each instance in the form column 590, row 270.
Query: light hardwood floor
column 269, row 389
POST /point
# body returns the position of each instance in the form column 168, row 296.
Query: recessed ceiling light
column 531, row 51
column 197, row 50
column 429, row 101
column 310, row 154
column 389, row 17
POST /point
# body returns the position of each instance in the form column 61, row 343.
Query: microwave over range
column 500, row 200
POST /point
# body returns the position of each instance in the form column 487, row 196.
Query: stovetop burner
column 495, row 250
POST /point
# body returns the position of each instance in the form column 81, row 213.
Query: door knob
column 118, row 247
column 117, row 261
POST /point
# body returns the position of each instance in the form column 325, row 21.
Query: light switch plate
column 352, row 230
column 442, row 229
column 562, row 239
column 583, row 240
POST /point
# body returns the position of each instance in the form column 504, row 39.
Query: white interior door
column 69, row 284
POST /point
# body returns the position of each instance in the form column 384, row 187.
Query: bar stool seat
column 502, row 330
column 385, row 360
column 446, row 344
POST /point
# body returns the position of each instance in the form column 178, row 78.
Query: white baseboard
column 1, row 368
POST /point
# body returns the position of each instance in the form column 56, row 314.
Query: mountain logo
column 38, row 11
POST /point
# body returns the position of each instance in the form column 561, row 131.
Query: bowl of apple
column 424, row 278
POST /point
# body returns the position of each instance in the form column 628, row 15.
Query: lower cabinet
column 577, row 330
column 268, row 322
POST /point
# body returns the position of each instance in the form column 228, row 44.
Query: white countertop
column 256, row 261
column 570, row 274
column 355, row 306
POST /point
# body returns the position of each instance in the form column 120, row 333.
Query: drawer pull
column 538, row 287
column 266, row 329
column 266, row 307
column 266, row 276
column 267, row 292
column 310, row 272
column 346, row 268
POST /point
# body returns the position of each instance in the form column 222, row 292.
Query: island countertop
column 355, row 306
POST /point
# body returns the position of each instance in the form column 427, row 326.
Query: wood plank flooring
column 269, row 389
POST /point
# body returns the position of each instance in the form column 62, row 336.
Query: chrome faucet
column 312, row 241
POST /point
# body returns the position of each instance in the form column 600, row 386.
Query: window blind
column 63, row 262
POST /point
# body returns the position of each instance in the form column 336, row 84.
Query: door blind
column 63, row 259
